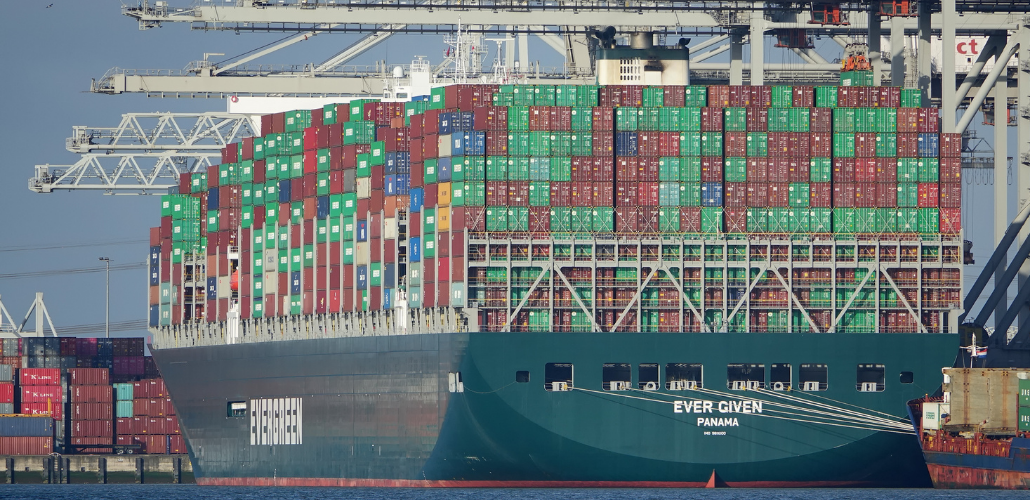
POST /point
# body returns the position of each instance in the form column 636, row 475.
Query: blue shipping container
column 403, row 162
column 446, row 123
column 626, row 144
column 388, row 298
column 284, row 191
column 362, row 277
column 415, row 248
column 466, row 121
column 362, row 230
column 212, row 199
column 390, row 163
column 443, row 170
column 711, row 194
column 295, row 283
column 155, row 315
column 416, row 198
column 403, row 184
column 155, row 276
column 929, row 145
column 388, row 274
column 323, row 207
column 474, row 143
column 457, row 144
column 212, row 288
column 26, row 426
column 155, row 255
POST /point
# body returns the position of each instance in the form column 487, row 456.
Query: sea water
column 194, row 492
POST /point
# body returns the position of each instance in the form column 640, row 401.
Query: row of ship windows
column 689, row 376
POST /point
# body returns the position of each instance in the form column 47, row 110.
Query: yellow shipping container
column 443, row 219
column 443, row 194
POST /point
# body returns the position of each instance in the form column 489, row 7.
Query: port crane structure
column 731, row 26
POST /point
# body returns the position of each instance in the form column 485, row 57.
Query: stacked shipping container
column 343, row 204
column 91, row 414
column 152, row 424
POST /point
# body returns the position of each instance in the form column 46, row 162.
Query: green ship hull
column 473, row 409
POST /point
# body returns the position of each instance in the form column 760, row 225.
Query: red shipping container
column 950, row 170
column 778, row 169
column 719, row 96
column 735, row 194
column 627, row 220
column 797, row 169
column 757, row 169
column 757, row 194
column 648, row 194
column 6, row 392
column 735, row 144
column 91, row 428
column 603, row 142
column 601, row 169
column 951, row 220
column 647, row 143
column 803, row 97
column 820, row 194
column 821, row 144
column 26, row 445
column 844, row 194
column 156, row 444
column 518, row 193
column 736, row 220
column 39, row 376
column 669, row 143
column 929, row 195
column 582, row 168
column 496, row 193
column 886, row 194
column 625, row 195
column 90, row 393
column 626, row 169
column 929, row 120
column 779, row 194
column 690, row 219
column 582, row 194
column 604, row 194
column 865, row 195
column 865, row 145
column 711, row 118
column 711, row 169
column 865, row 170
column 886, row 170
column 757, row 120
column 124, row 426
column 821, row 120
column 41, row 394
column 647, row 218
column 141, row 407
column 951, row 145
column 54, row 409
column 176, row 445
column 843, row 171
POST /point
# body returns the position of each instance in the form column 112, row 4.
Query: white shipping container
column 390, row 228
column 364, row 187
column 445, row 146
column 224, row 292
column 362, row 253
column 932, row 413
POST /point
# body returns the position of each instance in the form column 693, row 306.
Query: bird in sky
column 48, row 6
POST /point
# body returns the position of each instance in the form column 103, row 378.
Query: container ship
column 557, row 285
column 976, row 433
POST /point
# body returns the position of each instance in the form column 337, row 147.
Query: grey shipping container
column 26, row 426
column 11, row 347
column 6, row 373
column 983, row 399
column 6, row 408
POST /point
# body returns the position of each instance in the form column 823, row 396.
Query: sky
column 52, row 50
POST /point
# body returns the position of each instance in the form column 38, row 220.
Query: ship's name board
column 702, row 406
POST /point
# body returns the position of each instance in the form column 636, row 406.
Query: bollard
column 177, row 470
column 102, row 470
column 48, row 470
column 10, row 470
column 139, row 471
column 66, row 476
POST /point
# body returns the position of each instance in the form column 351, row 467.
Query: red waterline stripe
column 410, row 483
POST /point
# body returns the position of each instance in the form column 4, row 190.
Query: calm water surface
column 176, row 492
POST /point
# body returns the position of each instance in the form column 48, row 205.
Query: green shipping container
column 539, row 194
column 799, row 194
column 669, row 220
column 690, row 169
column 757, row 220
column 582, row 119
column 626, row 119
column 820, row 220
column 911, row 98
column 669, row 168
column 561, row 219
column 757, row 144
column 582, row 219
column 690, row 194
column 929, row 170
column 826, row 96
column 844, row 220
column 929, row 221
column 735, row 169
column 711, row 220
column 604, row 219
column 734, row 120
column 696, row 96
column 669, row 194
column 788, row 120
column 908, row 195
column 711, row 144
column 518, row 168
column 908, row 169
column 820, row 170
column 1024, row 415
column 886, row 145
column 1024, row 393
column 782, row 96
column 856, row 78
column 690, row 144
column 843, row 145
column 649, row 119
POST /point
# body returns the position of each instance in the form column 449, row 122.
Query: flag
column 981, row 352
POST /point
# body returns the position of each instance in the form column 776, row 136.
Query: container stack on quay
column 76, row 401
column 147, row 418
column 451, row 195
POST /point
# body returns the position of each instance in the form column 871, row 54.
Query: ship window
column 616, row 376
column 684, row 376
column 522, row 376
column 236, row 409
column 745, row 376
column 870, row 378
column 812, row 377
column 779, row 376
column 907, row 377
column 647, row 376
column 558, row 376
